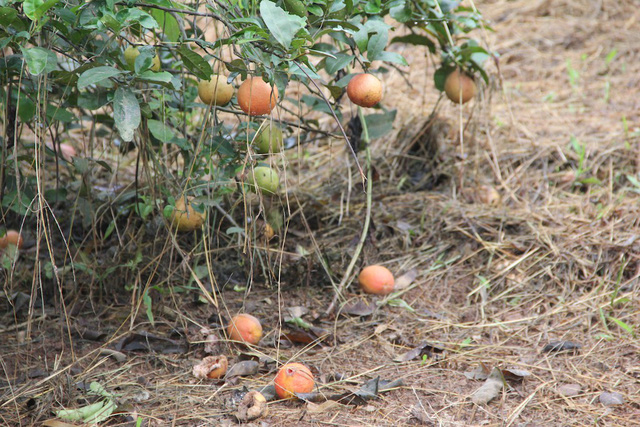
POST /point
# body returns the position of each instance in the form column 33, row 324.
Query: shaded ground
column 518, row 238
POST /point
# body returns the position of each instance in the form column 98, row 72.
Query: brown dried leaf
column 490, row 389
column 406, row 279
column 243, row 369
column 360, row 307
column 423, row 349
column 557, row 346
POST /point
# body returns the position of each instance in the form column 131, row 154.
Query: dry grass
column 497, row 279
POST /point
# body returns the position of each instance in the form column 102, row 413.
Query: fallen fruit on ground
column 365, row 90
column 130, row 55
column 213, row 367
column 293, row 378
column 269, row 140
column 246, row 328
column 459, row 87
column 266, row 179
column 256, row 97
column 252, row 407
column 186, row 218
column 12, row 237
column 215, row 91
column 376, row 279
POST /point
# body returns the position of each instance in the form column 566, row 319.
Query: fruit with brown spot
column 293, row 378
column 459, row 87
column 365, row 90
column 245, row 328
column 376, row 279
column 256, row 97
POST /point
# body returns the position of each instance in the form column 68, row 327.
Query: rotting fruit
column 219, row 366
column 293, row 378
column 459, row 87
column 132, row 52
column 215, row 91
column 376, row 279
column 186, row 218
column 269, row 140
column 245, row 328
column 365, row 90
column 252, row 407
column 11, row 237
column 256, row 97
column 266, row 179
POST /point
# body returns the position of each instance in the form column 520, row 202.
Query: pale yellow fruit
column 186, row 218
column 215, row 91
column 266, row 179
column 130, row 55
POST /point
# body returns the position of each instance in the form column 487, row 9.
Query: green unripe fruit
column 130, row 55
column 269, row 140
column 295, row 7
column 266, row 179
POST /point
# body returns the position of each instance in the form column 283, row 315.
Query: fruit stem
column 367, row 219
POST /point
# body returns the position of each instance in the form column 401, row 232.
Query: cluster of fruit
column 294, row 378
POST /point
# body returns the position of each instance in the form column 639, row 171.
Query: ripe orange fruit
column 246, row 328
column 219, row 365
column 256, row 97
column 459, row 87
column 215, row 91
column 376, row 279
column 365, row 90
column 12, row 237
column 293, row 378
column 186, row 218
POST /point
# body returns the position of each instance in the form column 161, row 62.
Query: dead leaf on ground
column 490, row 389
column 405, row 280
column 144, row 341
column 570, row 390
column 424, row 349
column 419, row 414
column 244, row 368
column 302, row 336
column 558, row 346
column 359, row 307
column 369, row 390
column 480, row 372
column 57, row 423
column 515, row 375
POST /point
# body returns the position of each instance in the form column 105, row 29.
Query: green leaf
column 393, row 57
column 195, row 63
column 39, row 60
column 30, row 7
column 7, row 15
column 59, row 114
column 126, row 113
column 146, row 299
column 160, row 130
column 340, row 61
column 417, row 40
column 283, row 25
column 96, row 75
column 43, row 8
column 168, row 24
column 379, row 125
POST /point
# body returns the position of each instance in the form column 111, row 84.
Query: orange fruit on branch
column 256, row 97
column 365, row 90
column 459, row 87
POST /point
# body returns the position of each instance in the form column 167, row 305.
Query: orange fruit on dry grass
column 459, row 87
column 365, row 90
column 293, row 378
column 215, row 91
column 220, row 365
column 256, row 97
column 186, row 218
column 246, row 328
column 12, row 237
column 376, row 279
